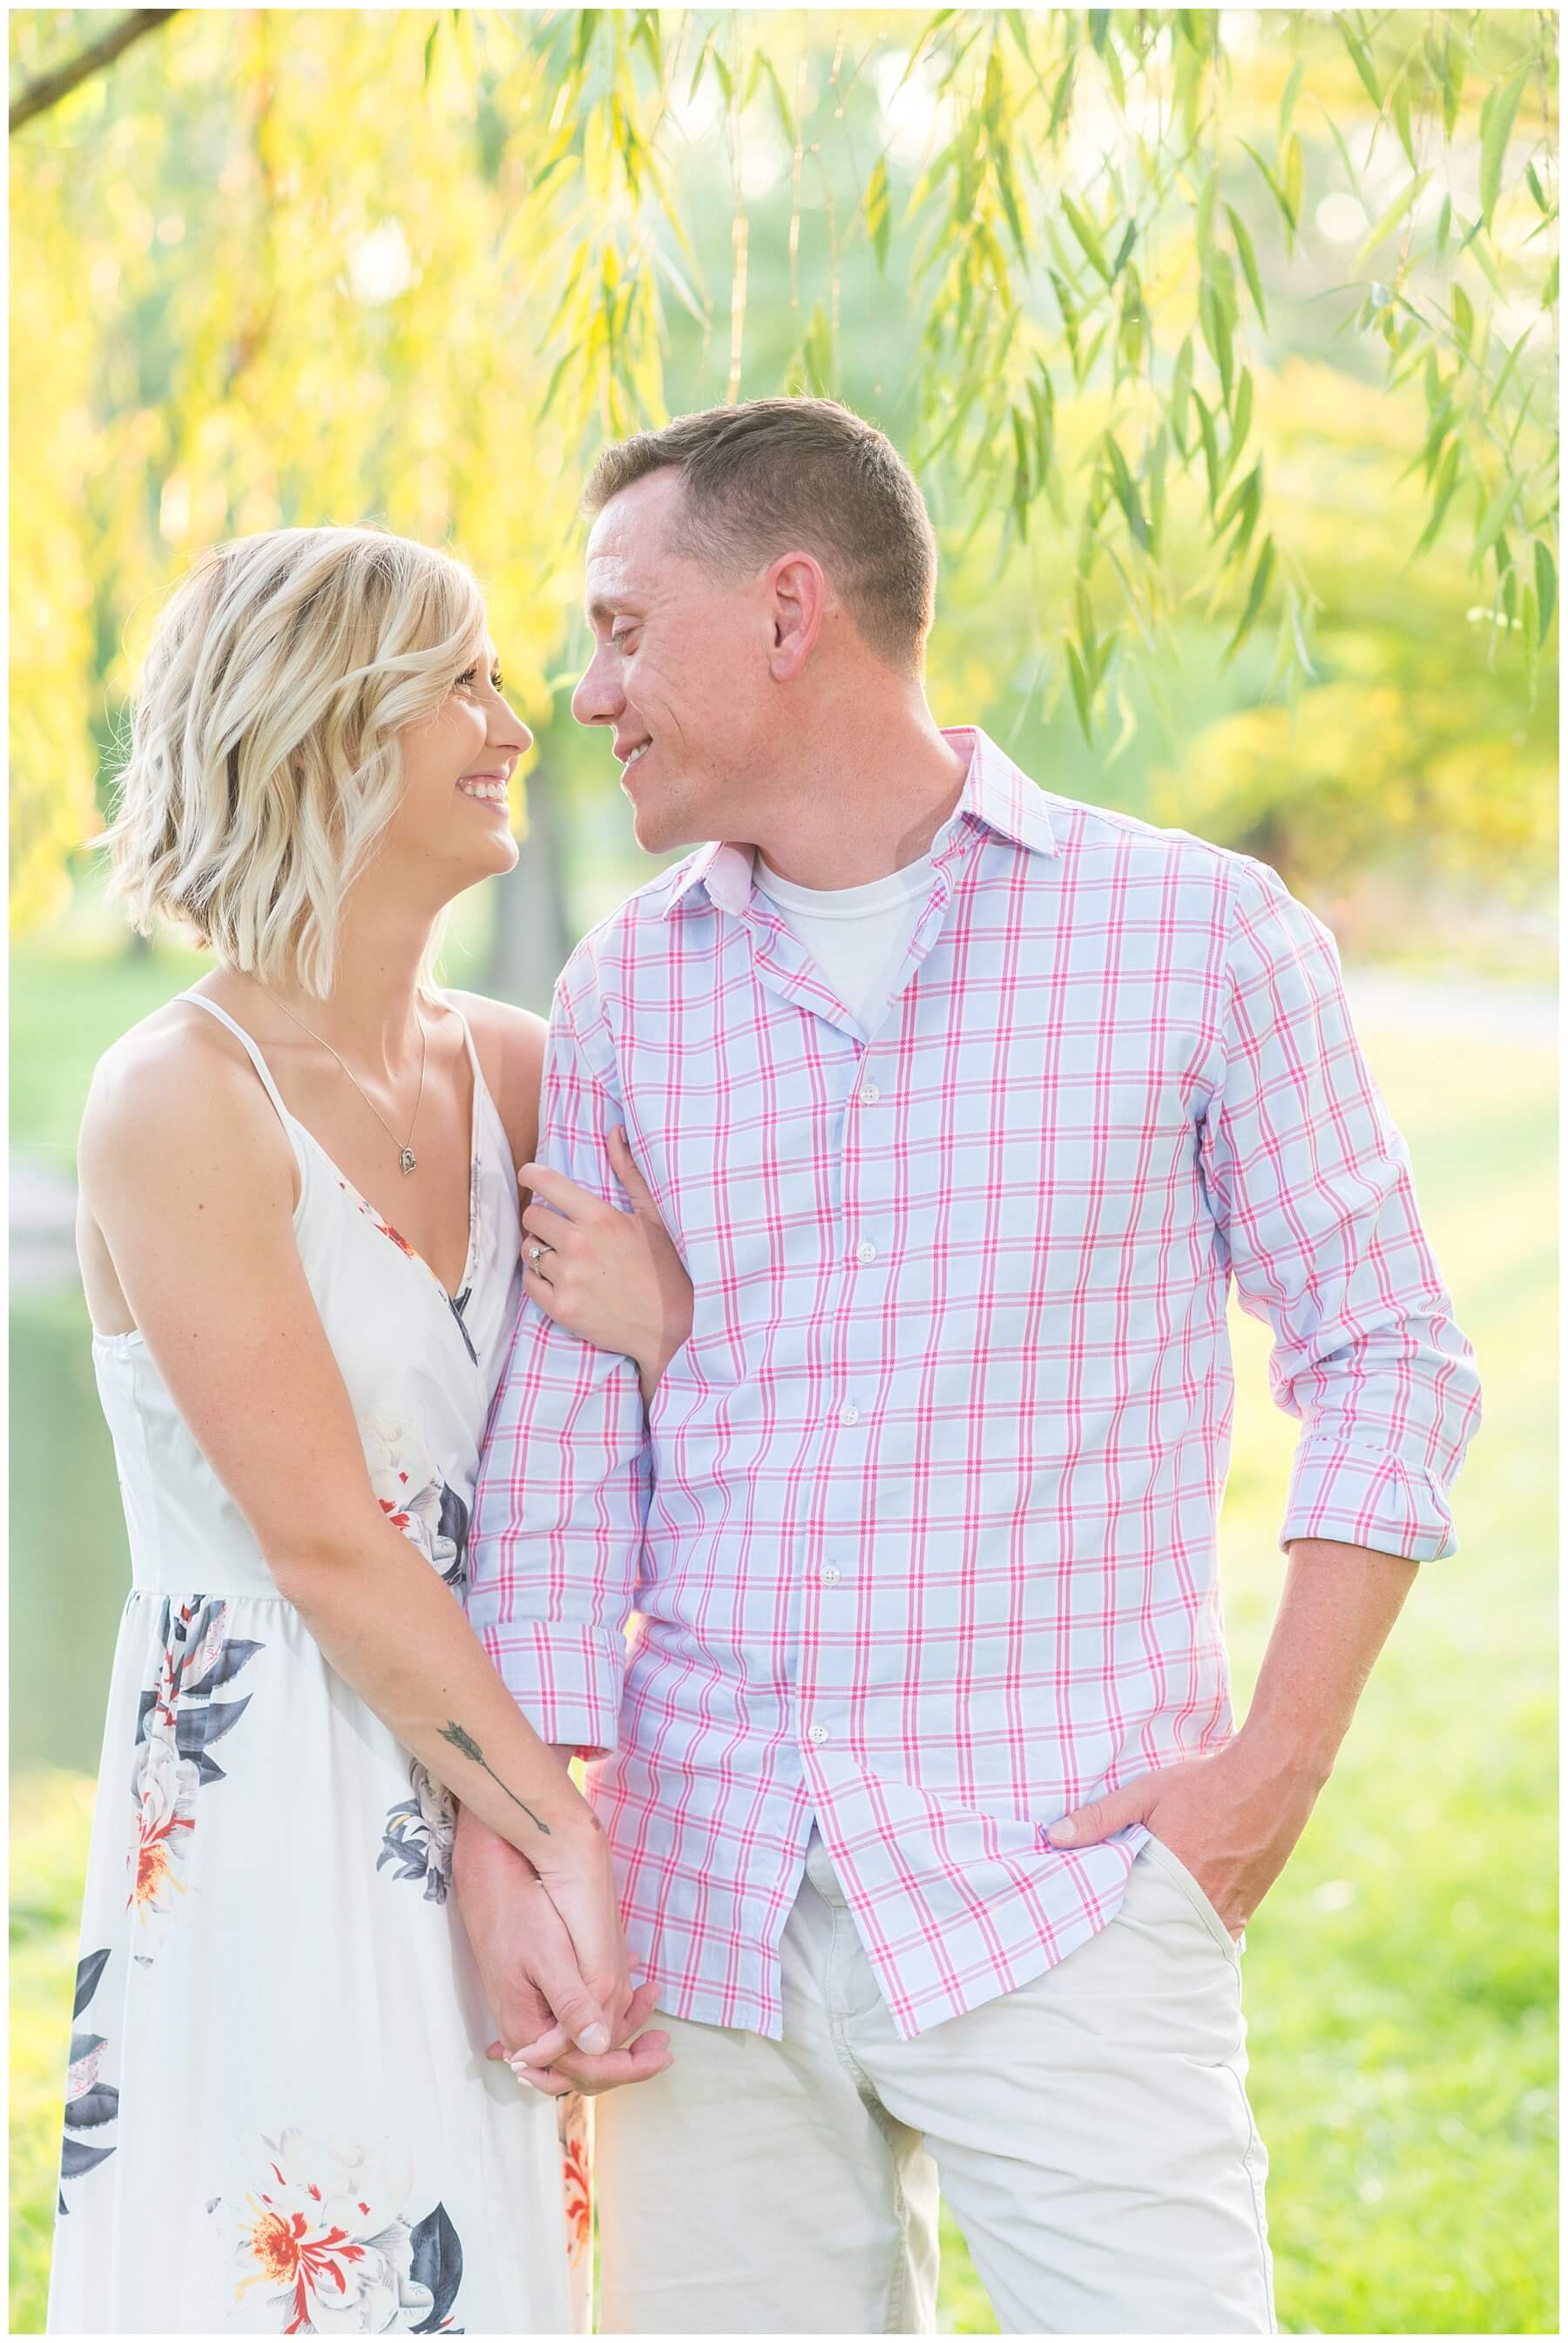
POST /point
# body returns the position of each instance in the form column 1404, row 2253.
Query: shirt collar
column 995, row 793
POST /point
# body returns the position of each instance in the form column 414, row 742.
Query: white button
column 831, row 1574
column 870, row 1094
column 850, row 1413
column 865, row 1253
column 818, row 1733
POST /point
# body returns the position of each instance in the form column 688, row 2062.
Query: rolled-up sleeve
column 1311, row 1186
column 563, row 1487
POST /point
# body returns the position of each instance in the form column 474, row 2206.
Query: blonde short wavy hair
column 263, row 760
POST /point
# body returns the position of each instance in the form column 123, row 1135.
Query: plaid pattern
column 920, row 1536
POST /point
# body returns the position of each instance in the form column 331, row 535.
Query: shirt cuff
column 567, row 1679
column 1366, row 1496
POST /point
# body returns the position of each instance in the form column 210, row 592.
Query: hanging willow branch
column 1028, row 265
column 481, row 243
column 51, row 87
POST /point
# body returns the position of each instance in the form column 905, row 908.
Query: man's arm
column 563, row 1486
column 1309, row 1184
column 1338, row 1605
column 553, row 1551
column 1233, row 1817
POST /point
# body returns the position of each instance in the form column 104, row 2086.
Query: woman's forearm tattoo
column 466, row 1746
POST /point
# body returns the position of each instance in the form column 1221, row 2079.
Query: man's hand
column 1232, row 1817
column 636, row 2056
column 523, row 1950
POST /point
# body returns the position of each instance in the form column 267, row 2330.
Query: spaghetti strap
column 447, row 1003
column 483, row 1093
column 252, row 1051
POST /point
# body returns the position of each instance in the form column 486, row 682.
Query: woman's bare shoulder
column 511, row 1028
column 177, row 1078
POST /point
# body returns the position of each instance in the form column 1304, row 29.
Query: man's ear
column 800, row 598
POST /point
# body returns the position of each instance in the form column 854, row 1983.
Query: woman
column 299, row 1237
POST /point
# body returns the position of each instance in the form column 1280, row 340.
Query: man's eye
column 621, row 640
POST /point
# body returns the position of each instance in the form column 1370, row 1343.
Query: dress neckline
column 480, row 1089
column 131, row 1337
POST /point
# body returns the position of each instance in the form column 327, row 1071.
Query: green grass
column 1401, row 1980
column 51, row 1815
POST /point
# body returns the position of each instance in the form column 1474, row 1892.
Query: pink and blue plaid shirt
column 919, row 1541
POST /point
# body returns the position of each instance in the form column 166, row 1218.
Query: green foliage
column 299, row 265
column 1407, row 746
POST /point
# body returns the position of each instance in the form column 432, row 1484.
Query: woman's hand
column 611, row 1278
column 637, row 2058
column 538, row 1966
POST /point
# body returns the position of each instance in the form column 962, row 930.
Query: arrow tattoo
column 465, row 1744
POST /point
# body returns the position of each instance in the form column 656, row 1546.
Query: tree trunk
column 531, row 940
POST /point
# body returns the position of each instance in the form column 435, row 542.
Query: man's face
column 678, row 673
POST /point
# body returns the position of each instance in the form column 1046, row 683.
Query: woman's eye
column 468, row 676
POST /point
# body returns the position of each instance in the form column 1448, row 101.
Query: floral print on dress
column 326, row 2228
column 90, row 2106
column 419, row 1836
column 178, row 1721
column 414, row 1498
column 571, row 2124
column 378, row 1221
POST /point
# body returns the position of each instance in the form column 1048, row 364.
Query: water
column 70, row 1562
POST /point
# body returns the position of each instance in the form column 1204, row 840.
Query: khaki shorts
column 1090, row 2131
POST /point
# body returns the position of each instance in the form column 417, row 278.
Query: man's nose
column 596, row 699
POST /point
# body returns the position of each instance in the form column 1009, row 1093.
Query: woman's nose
column 508, row 730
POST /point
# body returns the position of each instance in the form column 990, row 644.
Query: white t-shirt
column 857, row 936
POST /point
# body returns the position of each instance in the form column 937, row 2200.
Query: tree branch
column 51, row 87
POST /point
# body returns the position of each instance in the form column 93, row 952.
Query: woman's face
column 453, row 825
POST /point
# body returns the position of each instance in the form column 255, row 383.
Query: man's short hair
column 772, row 476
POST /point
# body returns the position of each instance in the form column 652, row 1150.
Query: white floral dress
column 279, row 2116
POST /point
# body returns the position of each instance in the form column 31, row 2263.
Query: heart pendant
column 406, row 1160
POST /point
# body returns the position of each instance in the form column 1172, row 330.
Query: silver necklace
column 406, row 1159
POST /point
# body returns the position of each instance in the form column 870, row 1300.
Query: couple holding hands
column 859, row 1344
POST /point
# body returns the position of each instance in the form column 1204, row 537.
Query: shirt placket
column 855, row 1378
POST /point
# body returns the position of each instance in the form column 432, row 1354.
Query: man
column 963, row 1103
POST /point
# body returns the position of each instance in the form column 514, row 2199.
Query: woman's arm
column 188, row 1176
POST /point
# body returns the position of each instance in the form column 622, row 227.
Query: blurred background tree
column 1224, row 345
